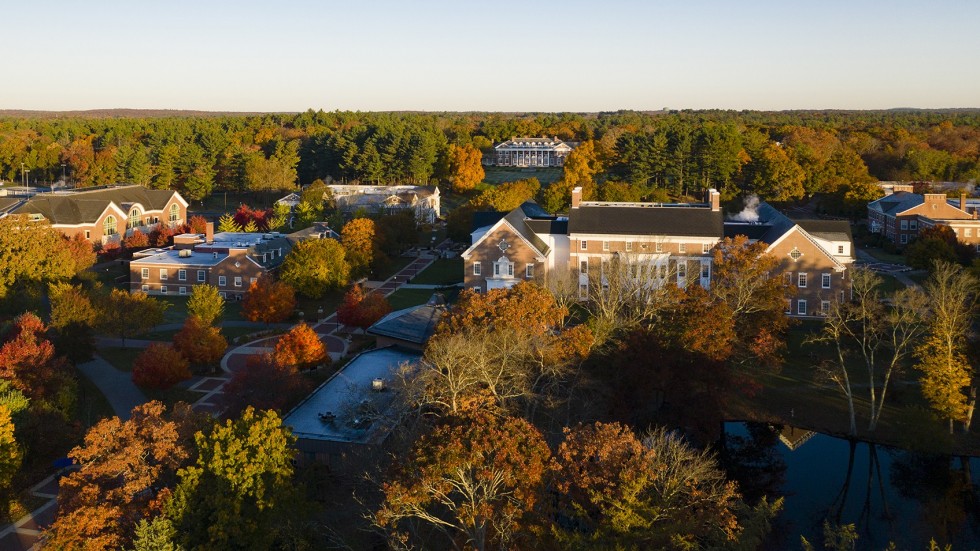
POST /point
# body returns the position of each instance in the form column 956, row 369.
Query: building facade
column 105, row 215
column 422, row 201
column 530, row 152
column 653, row 244
column 901, row 215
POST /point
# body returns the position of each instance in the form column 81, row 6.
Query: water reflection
column 889, row 495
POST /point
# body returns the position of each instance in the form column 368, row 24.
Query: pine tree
column 227, row 224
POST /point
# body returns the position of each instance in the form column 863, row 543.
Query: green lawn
column 405, row 298
column 92, row 404
column 394, row 266
column 499, row 175
column 120, row 358
column 441, row 272
column 889, row 284
column 177, row 311
column 883, row 256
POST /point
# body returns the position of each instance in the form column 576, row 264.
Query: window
column 904, row 239
column 252, row 280
column 682, row 247
column 824, row 307
column 477, row 289
column 477, row 269
column 978, row 247
column 682, row 269
column 584, row 245
column 222, row 281
column 789, row 306
column 583, row 290
column 145, row 288
column 238, row 282
column 182, row 291
column 529, row 271
column 795, row 254
column 88, row 234
column 174, row 213
column 801, row 279
column 967, row 232
column 583, row 267
column 181, row 275
column 913, row 224
column 134, row 218
column 163, row 289
column 905, row 224
column 629, row 246
column 201, row 276
column 825, row 281
column 705, row 270
column 801, row 307
column 840, row 249
column 705, row 247
column 660, row 247
column 109, row 225
column 605, row 245
column 787, row 278
column 145, row 273
column 222, row 294
column 163, row 274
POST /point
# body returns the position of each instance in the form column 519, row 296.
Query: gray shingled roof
column 415, row 324
column 897, row 202
column 552, row 227
column 645, row 220
column 831, row 230
column 86, row 206
column 517, row 218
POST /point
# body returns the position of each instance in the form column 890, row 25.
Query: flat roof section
column 347, row 408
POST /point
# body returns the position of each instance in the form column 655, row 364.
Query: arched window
column 134, row 219
column 174, row 213
column 109, row 226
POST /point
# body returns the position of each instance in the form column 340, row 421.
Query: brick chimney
column 576, row 197
column 209, row 233
column 963, row 201
column 934, row 198
column 714, row 198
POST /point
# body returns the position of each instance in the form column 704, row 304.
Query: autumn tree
column 473, row 480
column 942, row 354
column 33, row 253
column 198, row 224
column 29, row 361
column 240, row 488
column 300, row 348
column 124, row 468
column 268, row 301
column 206, row 303
column 199, row 342
column 580, row 169
column 263, row 385
column 160, row 366
column 10, row 454
column 774, row 176
column 136, row 240
column 881, row 337
column 227, row 224
column 360, row 245
column 465, row 167
column 315, row 266
column 359, row 310
column 658, row 493
column 74, row 317
column 126, row 314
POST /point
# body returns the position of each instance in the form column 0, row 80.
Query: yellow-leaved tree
column 465, row 167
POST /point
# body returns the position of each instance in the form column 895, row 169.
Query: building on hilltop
column 660, row 242
column 103, row 215
column 530, row 152
column 901, row 215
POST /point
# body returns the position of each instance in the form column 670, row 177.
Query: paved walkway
column 23, row 534
column 898, row 271
column 117, row 386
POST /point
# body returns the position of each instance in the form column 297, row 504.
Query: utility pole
column 23, row 177
column 64, row 181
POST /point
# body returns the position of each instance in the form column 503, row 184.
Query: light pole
column 64, row 182
column 23, row 177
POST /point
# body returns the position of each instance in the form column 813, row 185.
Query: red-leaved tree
column 268, row 301
column 198, row 224
column 359, row 310
column 300, row 348
column 29, row 361
column 160, row 366
column 263, row 385
column 136, row 240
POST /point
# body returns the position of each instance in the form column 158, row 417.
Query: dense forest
column 778, row 155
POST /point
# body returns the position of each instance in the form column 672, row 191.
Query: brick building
column 104, row 215
column 901, row 215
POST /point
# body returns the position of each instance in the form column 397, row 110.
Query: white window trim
column 801, row 280
column 584, row 245
column 145, row 288
column 529, row 270
column 222, row 281
column 201, row 276
column 659, row 247
column 238, row 282
column 801, row 307
column 163, row 274
column 182, row 291
column 605, row 245
column 705, row 248
column 629, row 246
column 477, row 268
column 163, row 289
column 145, row 273
column 682, row 247
column 825, row 281
column 181, row 275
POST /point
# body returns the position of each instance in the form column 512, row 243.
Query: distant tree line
column 779, row 155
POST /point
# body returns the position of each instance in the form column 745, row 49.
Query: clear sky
column 291, row 55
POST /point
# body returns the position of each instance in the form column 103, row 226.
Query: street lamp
column 64, row 181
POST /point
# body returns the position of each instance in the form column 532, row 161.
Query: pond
column 890, row 495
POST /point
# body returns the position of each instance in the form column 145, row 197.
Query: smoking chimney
column 209, row 233
column 576, row 197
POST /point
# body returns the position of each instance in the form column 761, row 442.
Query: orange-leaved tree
column 198, row 224
column 126, row 469
column 200, row 343
column 136, row 240
column 475, row 479
column 160, row 366
column 465, row 167
column 359, row 310
column 29, row 360
column 300, row 348
column 268, row 301
column 360, row 240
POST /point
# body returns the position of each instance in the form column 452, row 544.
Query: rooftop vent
column 378, row 384
column 184, row 253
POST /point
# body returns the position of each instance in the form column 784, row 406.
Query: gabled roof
column 772, row 226
column 519, row 220
column 897, row 202
column 415, row 324
column 831, row 230
column 86, row 206
column 548, row 227
column 645, row 219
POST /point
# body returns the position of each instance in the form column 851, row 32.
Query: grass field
column 405, row 298
column 499, row 175
column 441, row 272
column 883, row 256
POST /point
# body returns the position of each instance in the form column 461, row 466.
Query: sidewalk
column 117, row 386
column 23, row 534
